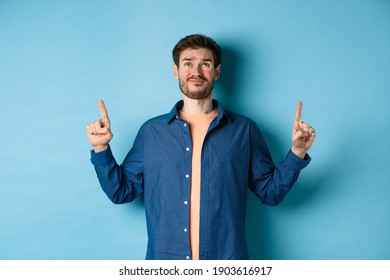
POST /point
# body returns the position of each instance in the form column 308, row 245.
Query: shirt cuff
column 295, row 162
column 102, row 158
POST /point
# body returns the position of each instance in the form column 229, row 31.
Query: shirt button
column 187, row 176
column 185, row 124
column 187, row 149
column 185, row 230
column 185, row 202
column 188, row 257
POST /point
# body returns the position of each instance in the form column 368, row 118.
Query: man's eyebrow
column 190, row 58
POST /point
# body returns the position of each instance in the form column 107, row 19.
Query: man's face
column 196, row 73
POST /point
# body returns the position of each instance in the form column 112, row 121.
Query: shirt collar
column 174, row 113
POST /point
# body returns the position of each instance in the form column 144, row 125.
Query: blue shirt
column 234, row 158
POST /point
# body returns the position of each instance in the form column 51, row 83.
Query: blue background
column 57, row 58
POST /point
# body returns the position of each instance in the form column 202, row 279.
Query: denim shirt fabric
column 234, row 158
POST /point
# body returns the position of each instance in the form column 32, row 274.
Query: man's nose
column 198, row 70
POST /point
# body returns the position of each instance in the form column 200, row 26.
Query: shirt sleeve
column 271, row 183
column 121, row 183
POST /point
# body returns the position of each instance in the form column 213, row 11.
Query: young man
column 195, row 164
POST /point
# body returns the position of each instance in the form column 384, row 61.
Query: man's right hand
column 99, row 132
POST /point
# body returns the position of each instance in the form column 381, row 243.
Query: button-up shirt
column 234, row 158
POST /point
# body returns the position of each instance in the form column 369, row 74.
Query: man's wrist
column 100, row 148
column 301, row 153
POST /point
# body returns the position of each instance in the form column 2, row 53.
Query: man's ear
column 175, row 71
column 217, row 72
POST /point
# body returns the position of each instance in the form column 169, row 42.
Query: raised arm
column 99, row 131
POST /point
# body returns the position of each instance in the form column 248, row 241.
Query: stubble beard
column 201, row 93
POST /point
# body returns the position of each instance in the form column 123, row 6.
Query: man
column 195, row 164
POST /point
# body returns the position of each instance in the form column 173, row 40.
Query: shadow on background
column 227, row 87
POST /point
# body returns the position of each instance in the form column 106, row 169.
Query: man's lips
column 196, row 80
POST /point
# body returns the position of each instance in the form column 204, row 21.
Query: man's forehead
column 200, row 53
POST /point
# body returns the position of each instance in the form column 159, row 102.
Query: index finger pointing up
column 103, row 110
column 298, row 113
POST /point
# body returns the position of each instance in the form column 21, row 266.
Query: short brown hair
column 197, row 41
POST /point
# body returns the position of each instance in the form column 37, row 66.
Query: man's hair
column 197, row 41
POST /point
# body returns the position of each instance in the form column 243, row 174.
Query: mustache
column 198, row 77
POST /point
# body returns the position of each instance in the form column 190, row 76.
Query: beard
column 200, row 92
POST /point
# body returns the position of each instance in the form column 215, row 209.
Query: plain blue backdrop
column 57, row 58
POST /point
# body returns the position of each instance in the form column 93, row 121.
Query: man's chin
column 197, row 95
column 196, row 92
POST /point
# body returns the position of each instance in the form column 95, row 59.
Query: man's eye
column 206, row 65
column 187, row 64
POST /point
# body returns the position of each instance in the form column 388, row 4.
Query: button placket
column 187, row 149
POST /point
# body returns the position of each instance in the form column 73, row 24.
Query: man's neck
column 197, row 106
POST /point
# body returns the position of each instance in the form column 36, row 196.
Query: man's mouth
column 196, row 80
